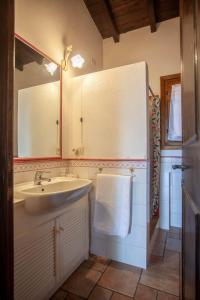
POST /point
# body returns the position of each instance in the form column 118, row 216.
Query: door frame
column 6, row 145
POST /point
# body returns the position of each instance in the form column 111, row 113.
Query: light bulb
column 77, row 61
column 51, row 68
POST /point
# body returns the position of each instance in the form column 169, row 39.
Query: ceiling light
column 51, row 68
column 77, row 61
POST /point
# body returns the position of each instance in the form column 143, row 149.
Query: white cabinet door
column 74, row 241
column 35, row 268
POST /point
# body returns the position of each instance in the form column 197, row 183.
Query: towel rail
column 132, row 170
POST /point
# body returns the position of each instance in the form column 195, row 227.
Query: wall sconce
column 65, row 61
column 77, row 60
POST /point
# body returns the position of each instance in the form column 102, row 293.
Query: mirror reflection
column 36, row 104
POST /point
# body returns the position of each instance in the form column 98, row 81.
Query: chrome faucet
column 38, row 178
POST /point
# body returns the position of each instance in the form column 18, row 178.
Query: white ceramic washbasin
column 51, row 195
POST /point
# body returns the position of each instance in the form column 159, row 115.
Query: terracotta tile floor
column 101, row 279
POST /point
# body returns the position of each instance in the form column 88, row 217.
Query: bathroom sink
column 51, row 195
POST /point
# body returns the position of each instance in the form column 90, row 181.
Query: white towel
column 175, row 122
column 113, row 204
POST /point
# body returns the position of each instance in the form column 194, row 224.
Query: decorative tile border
column 99, row 163
column 136, row 164
column 39, row 165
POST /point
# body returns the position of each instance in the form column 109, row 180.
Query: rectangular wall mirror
column 37, row 104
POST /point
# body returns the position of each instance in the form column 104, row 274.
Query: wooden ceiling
column 113, row 17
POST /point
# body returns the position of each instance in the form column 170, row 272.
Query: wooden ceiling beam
column 110, row 20
column 152, row 16
column 115, row 17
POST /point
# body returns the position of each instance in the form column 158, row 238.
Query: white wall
column 132, row 249
column 52, row 25
column 170, row 190
column 114, row 107
column 113, row 104
column 160, row 50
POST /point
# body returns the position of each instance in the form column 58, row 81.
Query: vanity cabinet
column 35, row 266
column 73, row 227
column 47, row 253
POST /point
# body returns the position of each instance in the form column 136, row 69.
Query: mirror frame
column 29, row 159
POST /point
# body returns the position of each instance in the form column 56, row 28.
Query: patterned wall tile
column 136, row 164
column 48, row 164
column 39, row 165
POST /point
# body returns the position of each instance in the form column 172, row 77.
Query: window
column 169, row 84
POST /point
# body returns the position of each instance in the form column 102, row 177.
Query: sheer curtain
column 175, row 122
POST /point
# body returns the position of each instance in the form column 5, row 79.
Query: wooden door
column 190, row 47
column 6, row 155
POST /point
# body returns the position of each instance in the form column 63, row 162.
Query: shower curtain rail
column 151, row 91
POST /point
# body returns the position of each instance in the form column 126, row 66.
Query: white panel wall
column 176, row 198
column 170, row 190
column 114, row 107
column 113, row 104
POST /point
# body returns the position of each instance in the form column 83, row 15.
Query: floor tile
column 121, row 278
column 97, row 263
column 117, row 296
column 59, row 295
column 172, row 261
column 145, row 293
column 161, row 236
column 158, row 249
column 174, row 235
column 154, row 259
column 82, row 281
column 100, row 293
column 163, row 274
column 165, row 296
column 73, row 297
column 173, row 244
column 175, row 229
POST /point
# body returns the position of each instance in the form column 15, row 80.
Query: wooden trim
column 191, row 140
column 16, row 159
column 6, row 152
column 25, row 41
column 153, row 223
column 35, row 159
column 152, row 16
column 165, row 144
